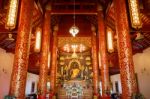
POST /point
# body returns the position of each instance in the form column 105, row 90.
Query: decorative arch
column 77, row 61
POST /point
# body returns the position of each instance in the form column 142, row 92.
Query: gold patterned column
column 103, row 52
column 19, row 72
column 44, row 55
column 95, row 62
column 54, row 61
column 128, row 80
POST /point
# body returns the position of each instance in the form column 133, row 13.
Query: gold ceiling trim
column 74, row 40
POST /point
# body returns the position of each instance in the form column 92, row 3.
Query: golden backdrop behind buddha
column 74, row 69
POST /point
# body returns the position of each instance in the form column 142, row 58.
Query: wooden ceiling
column 62, row 14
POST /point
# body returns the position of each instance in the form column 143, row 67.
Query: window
column 32, row 87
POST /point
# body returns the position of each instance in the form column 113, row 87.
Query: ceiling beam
column 77, row 12
column 72, row 3
column 7, row 32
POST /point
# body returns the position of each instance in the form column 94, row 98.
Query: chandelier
column 74, row 30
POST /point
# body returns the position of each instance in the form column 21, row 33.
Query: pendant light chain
column 74, row 29
column 74, row 17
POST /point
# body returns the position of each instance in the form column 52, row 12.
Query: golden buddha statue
column 75, row 72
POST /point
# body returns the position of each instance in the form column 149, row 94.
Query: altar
column 74, row 78
column 75, row 89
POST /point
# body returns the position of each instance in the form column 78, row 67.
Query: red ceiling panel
column 67, row 21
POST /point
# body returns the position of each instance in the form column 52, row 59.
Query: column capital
column 48, row 6
column 100, row 15
column 99, row 7
column 55, row 28
column 93, row 28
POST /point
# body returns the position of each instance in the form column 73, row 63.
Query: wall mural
column 79, row 68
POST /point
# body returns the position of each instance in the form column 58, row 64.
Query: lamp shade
column 110, row 44
column 38, row 35
column 12, row 14
column 135, row 14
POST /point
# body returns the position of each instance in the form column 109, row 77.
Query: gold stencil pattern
column 74, row 40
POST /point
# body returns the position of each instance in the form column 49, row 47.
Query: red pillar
column 128, row 80
column 54, row 61
column 104, row 61
column 19, row 72
column 44, row 56
column 95, row 63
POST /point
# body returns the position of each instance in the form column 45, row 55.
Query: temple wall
column 142, row 68
column 6, row 63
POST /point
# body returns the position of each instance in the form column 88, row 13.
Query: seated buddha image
column 75, row 72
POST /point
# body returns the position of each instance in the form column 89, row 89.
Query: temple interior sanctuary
column 74, row 49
